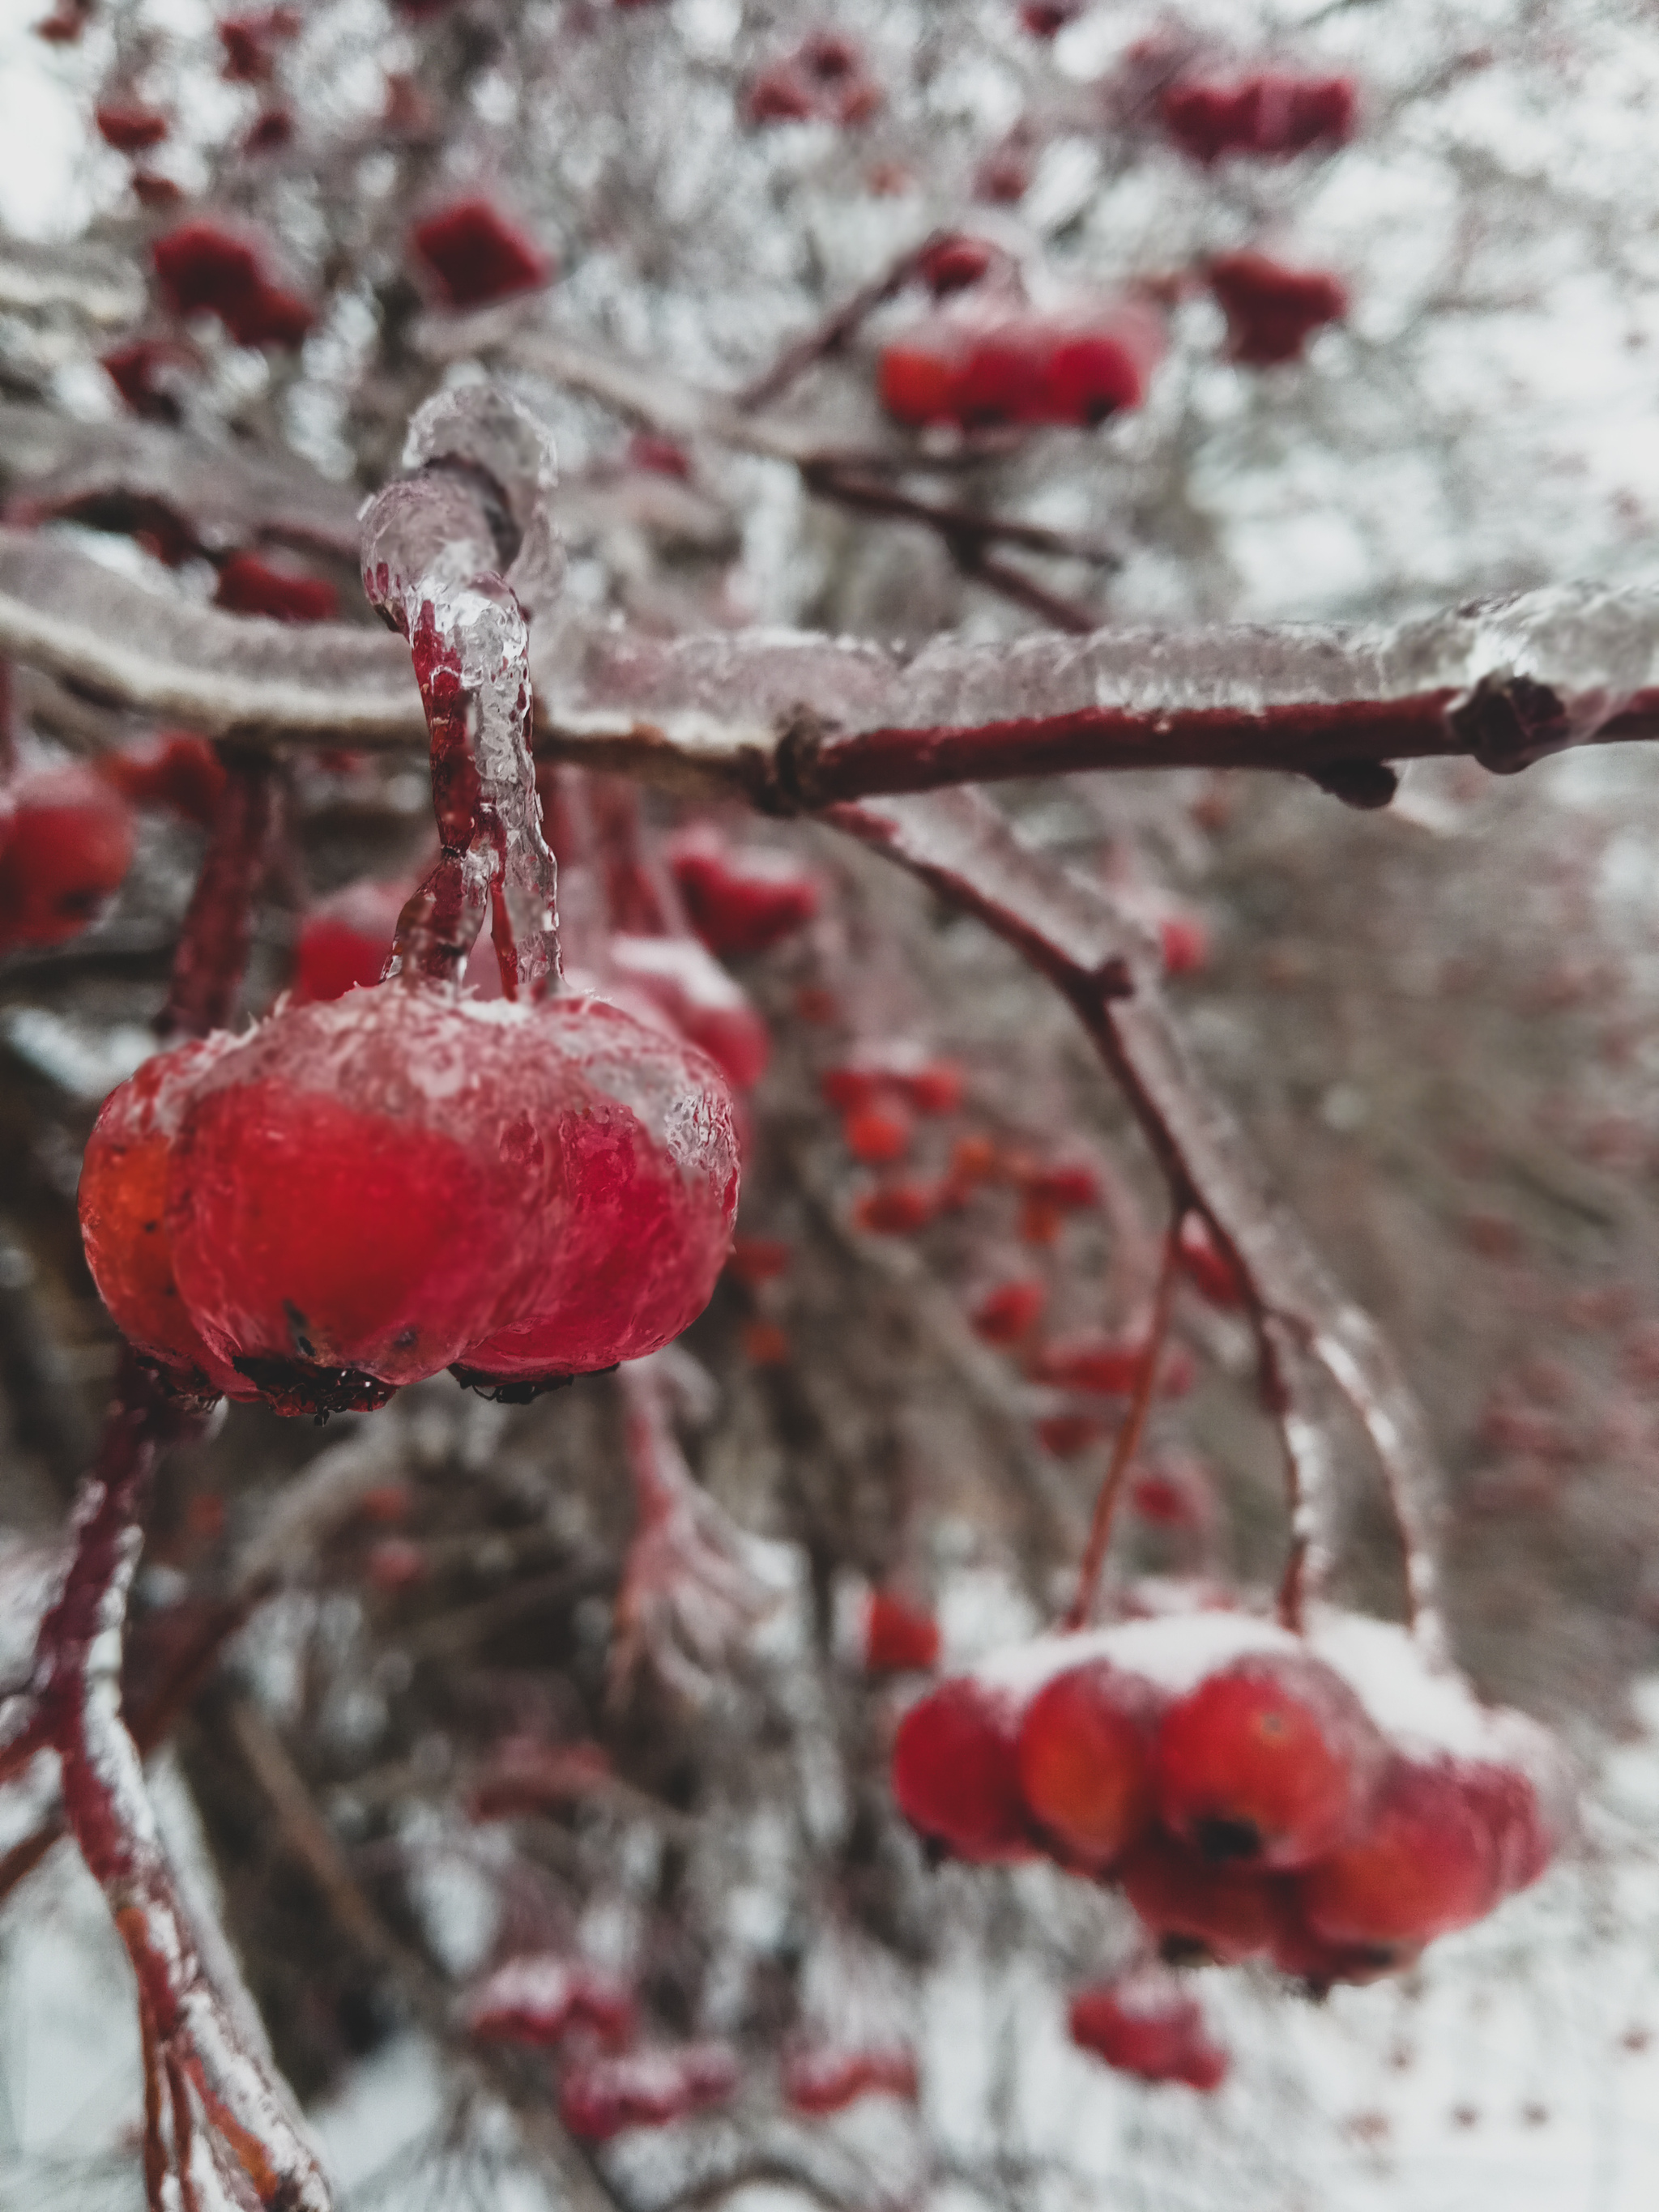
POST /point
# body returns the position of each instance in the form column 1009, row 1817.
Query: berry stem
column 1128, row 1436
column 212, row 951
column 634, row 900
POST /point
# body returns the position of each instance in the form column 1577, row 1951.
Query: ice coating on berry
column 955, row 1769
column 123, row 1208
column 1270, row 1762
column 651, row 1158
column 361, row 1188
column 1084, row 1767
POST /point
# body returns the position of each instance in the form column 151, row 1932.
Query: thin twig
column 1128, row 1436
column 833, row 332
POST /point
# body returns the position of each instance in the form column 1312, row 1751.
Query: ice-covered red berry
column 66, row 845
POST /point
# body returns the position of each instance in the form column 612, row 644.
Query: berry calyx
column 1269, row 1763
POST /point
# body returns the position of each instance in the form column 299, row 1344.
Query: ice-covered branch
column 798, row 721
column 1100, row 961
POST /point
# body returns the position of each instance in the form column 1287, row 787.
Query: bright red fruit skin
column 68, row 846
column 740, row 902
column 602, row 2097
column 1084, row 1768
column 361, row 1189
column 1086, row 1360
column 1427, row 1863
column 899, row 1637
column 1138, row 2027
column 346, row 941
column 202, row 267
column 123, row 1207
column 982, row 370
column 1270, row 1763
column 650, row 1154
column 956, row 1770
column 1198, row 1911
column 473, row 254
column 129, row 126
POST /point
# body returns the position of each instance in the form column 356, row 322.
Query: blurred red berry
column 1272, row 311
column 898, row 1209
column 899, row 1637
column 473, row 254
column 741, row 900
column 758, row 1259
column 819, row 2081
column 1271, row 115
column 1008, row 1314
column 250, row 42
column 129, row 126
column 955, row 1769
column 248, row 585
column 67, row 846
column 172, row 769
column 877, row 1135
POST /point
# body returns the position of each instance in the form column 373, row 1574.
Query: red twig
column 1069, row 930
column 1127, row 1442
column 213, row 947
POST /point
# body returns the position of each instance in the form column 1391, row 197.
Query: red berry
column 362, row 1189
column 659, row 456
column 955, row 1769
column 203, row 267
column 1068, row 1435
column 1084, row 1767
column 821, row 2082
column 740, row 900
column 250, row 586
column 756, row 1260
column 1009, row 1313
column 898, row 1209
column 134, row 369
column 1272, row 310
column 1270, row 1762
column 123, row 1208
column 525, row 1775
column 1185, row 943
column 974, row 1160
column 1142, row 2023
column 878, row 1135
column 1069, row 1186
column 956, row 263
column 919, row 379
column 250, row 42
column 395, row 1564
column 172, row 769
column 600, row 2098
column 129, row 126
column 68, row 844
column 765, row 1343
column 1307, row 1958
column 1425, row 1863
column 650, row 1167
column 825, row 79
column 1197, row 1911
column 1271, row 115
column 270, row 131
column 346, row 941
column 1206, row 1266
column 158, row 193
column 1087, row 1360
column 539, row 1998
column 899, row 1637
column 851, row 1089
column 934, row 1088
column 473, row 254
column 1046, row 19
column 699, row 1000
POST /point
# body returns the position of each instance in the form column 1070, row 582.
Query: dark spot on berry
column 1221, row 1840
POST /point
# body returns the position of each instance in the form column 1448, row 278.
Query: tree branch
column 797, row 721
column 1069, row 930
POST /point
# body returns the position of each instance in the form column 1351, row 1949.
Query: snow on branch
column 798, row 721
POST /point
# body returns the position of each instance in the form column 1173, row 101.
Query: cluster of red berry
column 470, row 253
column 1331, row 1804
column 825, row 79
column 1272, row 310
column 608, row 2083
column 205, row 267
column 1142, row 2022
column 983, row 367
column 1269, row 115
